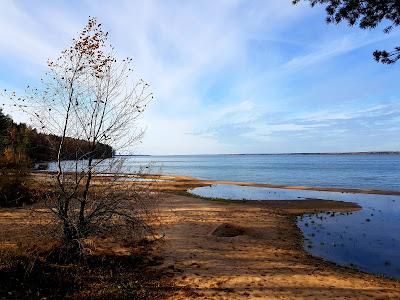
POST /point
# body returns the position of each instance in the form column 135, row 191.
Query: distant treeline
column 325, row 153
column 21, row 145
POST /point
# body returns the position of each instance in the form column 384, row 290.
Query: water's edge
column 367, row 239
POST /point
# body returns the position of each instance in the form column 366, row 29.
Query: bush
column 15, row 189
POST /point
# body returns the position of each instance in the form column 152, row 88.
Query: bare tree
column 89, row 94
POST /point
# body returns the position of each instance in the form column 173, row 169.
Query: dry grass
column 114, row 266
column 266, row 260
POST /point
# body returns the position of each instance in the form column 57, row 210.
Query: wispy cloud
column 337, row 122
column 229, row 76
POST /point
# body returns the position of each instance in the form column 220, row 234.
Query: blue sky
column 228, row 76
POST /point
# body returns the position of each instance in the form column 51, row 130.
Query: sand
column 265, row 262
column 263, row 258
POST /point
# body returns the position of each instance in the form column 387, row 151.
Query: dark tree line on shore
column 22, row 146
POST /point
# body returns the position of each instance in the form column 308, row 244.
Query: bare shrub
column 89, row 94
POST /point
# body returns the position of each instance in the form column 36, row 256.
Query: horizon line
column 397, row 152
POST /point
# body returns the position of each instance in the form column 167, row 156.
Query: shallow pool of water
column 368, row 239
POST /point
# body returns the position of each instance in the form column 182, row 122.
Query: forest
column 22, row 146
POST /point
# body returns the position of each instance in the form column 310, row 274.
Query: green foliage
column 43, row 147
column 367, row 14
column 5, row 124
column 21, row 146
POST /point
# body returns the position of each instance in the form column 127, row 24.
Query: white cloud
column 21, row 37
column 184, row 48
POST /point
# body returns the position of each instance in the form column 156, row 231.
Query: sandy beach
column 199, row 149
column 217, row 249
column 266, row 261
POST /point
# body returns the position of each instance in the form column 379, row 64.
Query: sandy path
column 267, row 262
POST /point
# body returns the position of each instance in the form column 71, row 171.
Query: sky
column 228, row 76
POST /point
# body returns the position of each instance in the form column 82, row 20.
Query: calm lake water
column 349, row 171
column 368, row 239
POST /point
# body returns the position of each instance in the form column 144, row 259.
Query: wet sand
column 186, row 180
column 267, row 261
column 182, row 183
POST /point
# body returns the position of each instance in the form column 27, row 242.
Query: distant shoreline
column 331, row 153
column 294, row 153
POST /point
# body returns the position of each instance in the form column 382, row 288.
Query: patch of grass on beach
column 222, row 200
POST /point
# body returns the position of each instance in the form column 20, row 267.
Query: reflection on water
column 368, row 239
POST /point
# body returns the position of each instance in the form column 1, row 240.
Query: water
column 368, row 239
column 346, row 171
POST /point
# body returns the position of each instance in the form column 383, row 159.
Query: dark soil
column 99, row 277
